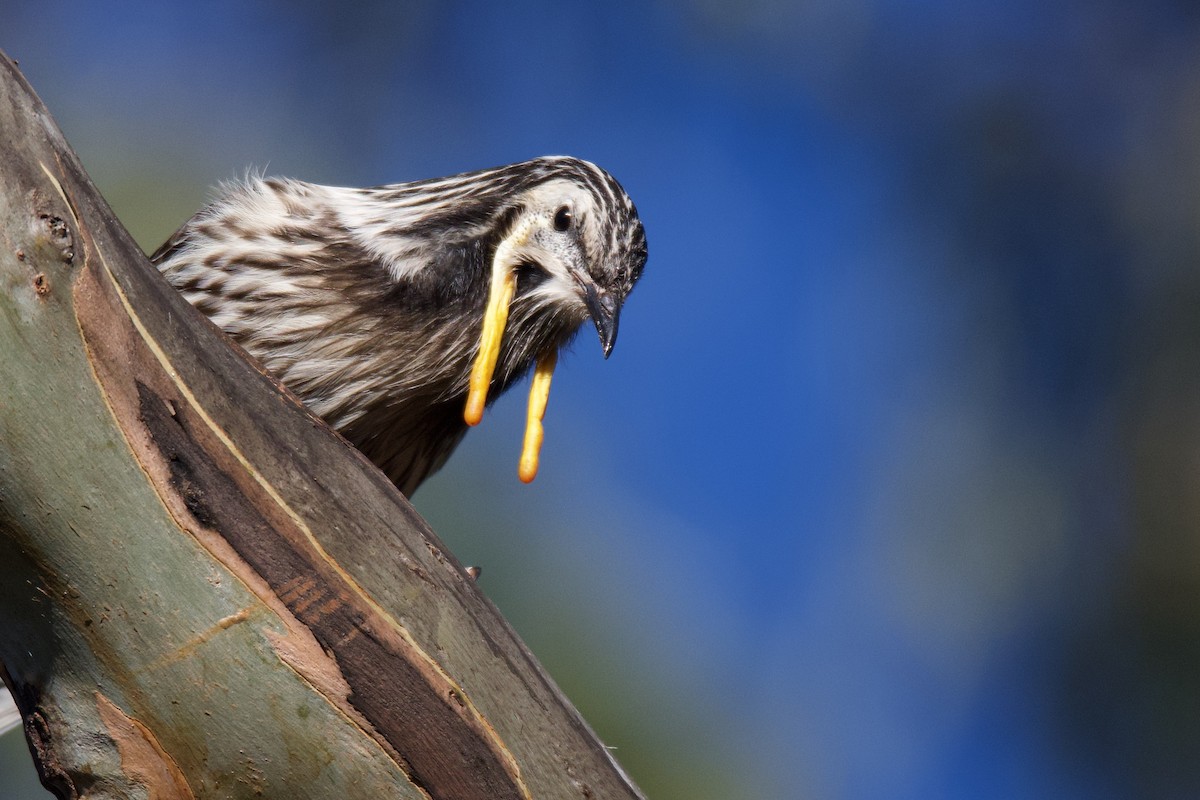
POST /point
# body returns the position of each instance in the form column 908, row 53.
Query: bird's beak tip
column 605, row 310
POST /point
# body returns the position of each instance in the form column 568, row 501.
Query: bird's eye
column 563, row 219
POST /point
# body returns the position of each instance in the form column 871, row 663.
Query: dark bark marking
column 448, row 757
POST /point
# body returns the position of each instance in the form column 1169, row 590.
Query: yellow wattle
column 504, row 282
column 539, row 397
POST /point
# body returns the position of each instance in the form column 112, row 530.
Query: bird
column 396, row 313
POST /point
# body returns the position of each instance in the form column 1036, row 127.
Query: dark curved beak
column 605, row 310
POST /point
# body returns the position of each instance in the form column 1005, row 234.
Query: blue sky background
column 890, row 488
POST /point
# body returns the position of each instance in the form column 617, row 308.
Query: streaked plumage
column 368, row 303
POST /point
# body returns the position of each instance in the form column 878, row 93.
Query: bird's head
column 554, row 241
column 574, row 240
column 570, row 246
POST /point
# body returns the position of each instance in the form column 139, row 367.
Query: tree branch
column 207, row 592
